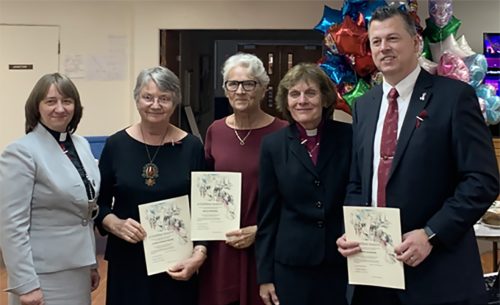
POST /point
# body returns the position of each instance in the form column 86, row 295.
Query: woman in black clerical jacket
column 304, row 170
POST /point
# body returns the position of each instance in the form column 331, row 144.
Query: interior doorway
column 278, row 59
column 196, row 56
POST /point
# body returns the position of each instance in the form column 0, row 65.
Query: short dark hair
column 307, row 72
column 39, row 92
column 385, row 12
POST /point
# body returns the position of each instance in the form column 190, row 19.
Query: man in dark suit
column 426, row 150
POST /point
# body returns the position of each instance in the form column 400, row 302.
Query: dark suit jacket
column 300, row 205
column 444, row 175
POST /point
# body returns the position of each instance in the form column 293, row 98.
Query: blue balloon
column 477, row 66
column 370, row 8
column 485, row 91
column 491, row 102
column 493, row 110
column 353, row 8
column 338, row 69
column 330, row 17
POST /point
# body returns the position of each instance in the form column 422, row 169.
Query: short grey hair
column 165, row 79
column 250, row 61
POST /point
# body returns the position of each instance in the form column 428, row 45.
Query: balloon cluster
column 347, row 58
column 445, row 55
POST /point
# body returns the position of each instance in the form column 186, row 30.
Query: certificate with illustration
column 167, row 224
column 378, row 230
column 215, row 204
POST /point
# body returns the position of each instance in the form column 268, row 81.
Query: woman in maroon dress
column 228, row 276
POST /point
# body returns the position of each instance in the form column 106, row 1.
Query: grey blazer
column 43, row 202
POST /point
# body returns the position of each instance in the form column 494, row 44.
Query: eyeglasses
column 53, row 100
column 233, row 85
column 162, row 99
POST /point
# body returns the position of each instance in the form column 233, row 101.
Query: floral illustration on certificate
column 216, row 187
column 372, row 225
column 166, row 218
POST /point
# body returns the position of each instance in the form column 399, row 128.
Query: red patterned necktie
column 387, row 145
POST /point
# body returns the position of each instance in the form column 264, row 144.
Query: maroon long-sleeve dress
column 229, row 275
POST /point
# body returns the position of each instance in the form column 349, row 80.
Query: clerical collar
column 311, row 132
column 59, row 136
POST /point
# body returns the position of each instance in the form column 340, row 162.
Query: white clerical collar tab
column 63, row 136
column 311, row 132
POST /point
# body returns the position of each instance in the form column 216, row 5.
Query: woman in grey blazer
column 49, row 181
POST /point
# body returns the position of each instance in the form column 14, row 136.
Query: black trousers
column 324, row 284
column 367, row 295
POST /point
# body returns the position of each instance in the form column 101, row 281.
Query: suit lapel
column 373, row 109
column 326, row 149
column 58, row 163
column 88, row 162
column 298, row 150
column 419, row 99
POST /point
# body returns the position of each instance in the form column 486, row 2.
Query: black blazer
column 300, row 205
column 444, row 175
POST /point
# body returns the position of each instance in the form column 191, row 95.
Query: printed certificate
column 378, row 230
column 215, row 204
column 167, row 224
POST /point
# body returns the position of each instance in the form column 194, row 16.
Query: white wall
column 87, row 25
column 85, row 30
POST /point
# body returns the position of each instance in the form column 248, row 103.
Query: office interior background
column 102, row 46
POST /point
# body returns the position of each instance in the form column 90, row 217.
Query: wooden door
column 169, row 58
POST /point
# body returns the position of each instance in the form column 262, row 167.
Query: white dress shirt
column 405, row 90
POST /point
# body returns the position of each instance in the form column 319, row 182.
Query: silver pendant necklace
column 310, row 152
column 242, row 141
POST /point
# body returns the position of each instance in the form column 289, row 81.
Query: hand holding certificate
column 167, row 224
column 215, row 204
column 378, row 231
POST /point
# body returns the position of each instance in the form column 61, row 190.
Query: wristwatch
column 431, row 236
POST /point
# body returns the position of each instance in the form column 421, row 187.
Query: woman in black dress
column 149, row 161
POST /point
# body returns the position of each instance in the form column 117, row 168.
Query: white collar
column 311, row 132
column 405, row 86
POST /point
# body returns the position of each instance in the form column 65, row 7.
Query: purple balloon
column 440, row 11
